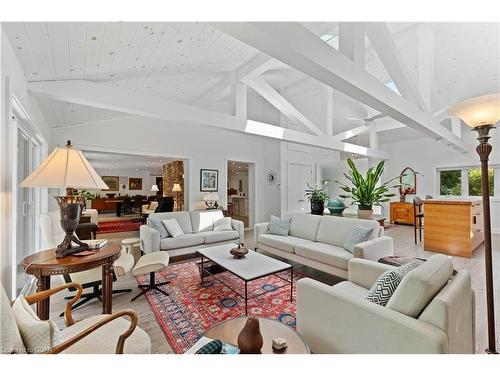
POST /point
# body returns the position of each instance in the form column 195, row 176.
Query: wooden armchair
column 97, row 334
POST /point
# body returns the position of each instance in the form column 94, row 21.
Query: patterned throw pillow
column 158, row 225
column 279, row 226
column 358, row 234
column 213, row 347
column 384, row 287
column 38, row 335
column 407, row 268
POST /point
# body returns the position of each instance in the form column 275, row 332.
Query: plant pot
column 402, row 199
column 365, row 212
column 317, row 208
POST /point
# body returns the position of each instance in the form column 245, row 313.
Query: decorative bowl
column 336, row 206
column 239, row 252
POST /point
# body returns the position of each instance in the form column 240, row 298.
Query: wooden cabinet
column 453, row 227
column 401, row 213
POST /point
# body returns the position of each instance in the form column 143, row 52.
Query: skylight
column 393, row 87
column 331, row 39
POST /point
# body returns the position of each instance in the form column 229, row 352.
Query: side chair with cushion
column 430, row 311
column 23, row 332
column 52, row 234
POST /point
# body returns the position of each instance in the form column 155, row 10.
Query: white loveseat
column 428, row 312
column 317, row 242
column 198, row 232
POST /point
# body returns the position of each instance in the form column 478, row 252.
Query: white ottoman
column 151, row 263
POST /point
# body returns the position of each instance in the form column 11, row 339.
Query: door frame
column 252, row 187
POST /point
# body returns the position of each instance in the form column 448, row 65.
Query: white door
column 299, row 175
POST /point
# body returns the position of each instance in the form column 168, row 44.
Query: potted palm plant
column 317, row 197
column 365, row 192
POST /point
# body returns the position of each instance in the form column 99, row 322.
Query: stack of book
column 96, row 244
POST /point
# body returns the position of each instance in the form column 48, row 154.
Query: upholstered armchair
column 52, row 234
column 431, row 311
column 101, row 334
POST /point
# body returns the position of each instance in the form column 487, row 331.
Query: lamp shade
column 211, row 197
column 177, row 187
column 482, row 110
column 65, row 167
column 155, row 188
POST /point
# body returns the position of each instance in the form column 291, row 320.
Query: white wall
column 426, row 155
column 202, row 146
column 13, row 84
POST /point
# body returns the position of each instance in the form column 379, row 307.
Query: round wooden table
column 44, row 264
column 229, row 330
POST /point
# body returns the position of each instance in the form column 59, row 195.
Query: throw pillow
column 384, row 287
column 223, row 224
column 279, row 226
column 38, row 335
column 173, row 227
column 158, row 225
column 358, row 234
column 407, row 268
column 213, row 347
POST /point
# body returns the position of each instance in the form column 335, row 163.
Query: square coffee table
column 252, row 267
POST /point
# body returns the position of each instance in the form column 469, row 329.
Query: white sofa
column 428, row 312
column 317, row 242
column 198, row 232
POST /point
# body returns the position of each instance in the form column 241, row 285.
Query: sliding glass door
column 27, row 206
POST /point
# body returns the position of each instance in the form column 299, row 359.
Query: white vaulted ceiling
column 181, row 61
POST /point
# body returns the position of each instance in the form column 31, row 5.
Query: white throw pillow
column 173, row 227
column 222, row 224
column 38, row 335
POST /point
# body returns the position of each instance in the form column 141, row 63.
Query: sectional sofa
column 317, row 242
column 198, row 232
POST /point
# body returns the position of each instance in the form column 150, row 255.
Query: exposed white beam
column 352, row 42
column 367, row 127
column 256, row 66
column 425, row 62
column 329, row 111
column 240, row 100
column 106, row 97
column 284, row 106
column 388, row 52
column 456, row 126
column 297, row 47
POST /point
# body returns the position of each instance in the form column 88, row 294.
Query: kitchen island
column 453, row 226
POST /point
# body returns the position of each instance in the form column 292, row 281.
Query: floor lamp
column 177, row 189
column 482, row 113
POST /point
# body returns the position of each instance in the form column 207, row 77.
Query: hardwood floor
column 403, row 245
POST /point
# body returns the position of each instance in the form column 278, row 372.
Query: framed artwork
column 135, row 183
column 113, row 182
column 209, row 180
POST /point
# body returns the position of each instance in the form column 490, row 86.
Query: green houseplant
column 365, row 192
column 317, row 197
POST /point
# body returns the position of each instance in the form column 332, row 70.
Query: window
column 450, row 182
column 475, row 181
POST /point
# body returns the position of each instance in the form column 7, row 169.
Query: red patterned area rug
column 192, row 308
column 118, row 226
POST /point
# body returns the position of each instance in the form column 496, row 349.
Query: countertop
column 453, row 201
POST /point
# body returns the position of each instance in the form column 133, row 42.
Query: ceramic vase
column 250, row 339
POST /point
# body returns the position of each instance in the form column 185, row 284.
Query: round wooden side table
column 44, row 264
column 229, row 330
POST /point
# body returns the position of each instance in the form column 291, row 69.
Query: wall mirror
column 408, row 179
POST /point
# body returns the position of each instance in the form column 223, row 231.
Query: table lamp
column 66, row 167
column 210, row 200
column 481, row 114
column 154, row 188
column 177, row 189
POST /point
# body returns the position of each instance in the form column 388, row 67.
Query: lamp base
column 70, row 207
column 488, row 351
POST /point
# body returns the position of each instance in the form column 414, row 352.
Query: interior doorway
column 240, row 191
